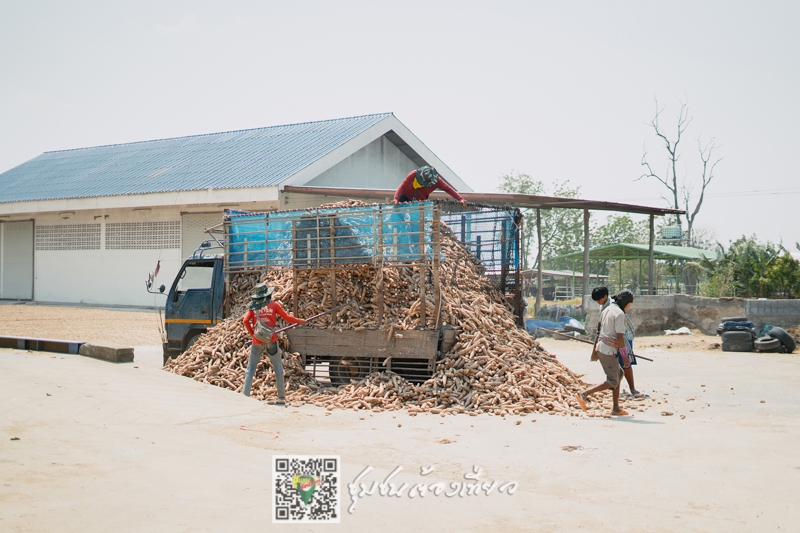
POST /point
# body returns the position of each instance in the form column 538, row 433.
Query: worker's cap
column 427, row 176
column 262, row 291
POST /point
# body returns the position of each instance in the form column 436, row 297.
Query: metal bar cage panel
column 321, row 238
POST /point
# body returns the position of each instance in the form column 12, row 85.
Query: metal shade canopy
column 523, row 201
column 625, row 251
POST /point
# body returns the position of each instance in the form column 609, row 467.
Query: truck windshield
column 196, row 277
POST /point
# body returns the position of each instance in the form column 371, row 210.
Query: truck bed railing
column 330, row 237
column 379, row 236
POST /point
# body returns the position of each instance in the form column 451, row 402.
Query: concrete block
column 783, row 313
column 115, row 354
column 45, row 345
column 707, row 313
column 653, row 314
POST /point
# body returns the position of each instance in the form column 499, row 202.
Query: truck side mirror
column 149, row 284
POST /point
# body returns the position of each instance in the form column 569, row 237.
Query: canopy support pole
column 539, row 261
column 651, row 259
column 639, row 278
column 585, row 258
column 572, row 281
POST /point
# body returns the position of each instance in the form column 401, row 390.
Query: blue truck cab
column 195, row 302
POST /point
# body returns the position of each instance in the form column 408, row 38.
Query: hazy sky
column 561, row 90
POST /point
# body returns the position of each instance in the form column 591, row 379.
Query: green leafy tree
column 620, row 229
column 784, row 276
column 721, row 281
column 743, row 269
column 561, row 228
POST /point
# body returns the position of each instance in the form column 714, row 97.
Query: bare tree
column 681, row 194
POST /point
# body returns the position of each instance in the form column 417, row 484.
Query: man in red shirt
column 260, row 321
column 420, row 183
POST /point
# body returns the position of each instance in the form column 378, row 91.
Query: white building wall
column 73, row 262
column 97, row 274
column 379, row 165
column 193, row 228
column 251, row 198
column 114, row 277
column 100, row 275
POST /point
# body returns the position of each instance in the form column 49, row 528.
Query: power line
column 793, row 190
column 731, row 194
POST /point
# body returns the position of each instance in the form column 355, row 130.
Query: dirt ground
column 794, row 331
column 100, row 326
column 140, row 328
column 87, row 446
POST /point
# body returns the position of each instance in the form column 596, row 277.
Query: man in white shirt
column 611, row 343
column 600, row 295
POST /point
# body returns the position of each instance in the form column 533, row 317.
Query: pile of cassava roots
column 494, row 366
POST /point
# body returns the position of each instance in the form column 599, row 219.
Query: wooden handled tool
column 587, row 342
column 329, row 311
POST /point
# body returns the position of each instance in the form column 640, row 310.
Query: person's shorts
column 631, row 356
column 611, row 368
column 270, row 348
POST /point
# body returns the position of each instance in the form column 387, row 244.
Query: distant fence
column 783, row 313
column 651, row 314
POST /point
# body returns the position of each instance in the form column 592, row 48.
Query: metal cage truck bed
column 333, row 241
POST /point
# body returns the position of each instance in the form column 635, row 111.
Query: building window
column 68, row 237
column 143, row 235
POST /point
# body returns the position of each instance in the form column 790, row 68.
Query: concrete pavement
column 128, row 447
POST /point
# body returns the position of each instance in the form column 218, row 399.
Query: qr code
column 306, row 488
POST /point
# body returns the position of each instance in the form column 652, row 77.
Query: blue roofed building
column 87, row 225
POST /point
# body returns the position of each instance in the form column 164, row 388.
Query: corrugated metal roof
column 235, row 159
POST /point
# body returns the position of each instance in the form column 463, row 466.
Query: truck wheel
column 783, row 336
column 193, row 339
column 168, row 354
column 342, row 369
